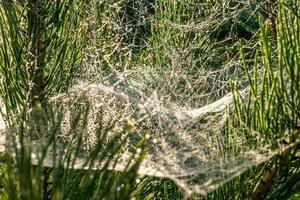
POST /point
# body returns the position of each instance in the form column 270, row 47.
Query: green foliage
column 45, row 44
column 271, row 110
column 40, row 48
column 26, row 174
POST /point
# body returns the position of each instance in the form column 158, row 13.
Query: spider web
column 180, row 106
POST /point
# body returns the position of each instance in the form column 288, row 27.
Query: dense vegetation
column 211, row 48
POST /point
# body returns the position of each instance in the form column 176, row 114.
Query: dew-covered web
column 184, row 144
column 155, row 71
